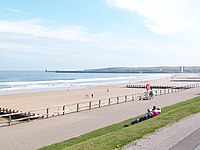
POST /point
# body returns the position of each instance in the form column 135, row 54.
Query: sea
column 14, row 82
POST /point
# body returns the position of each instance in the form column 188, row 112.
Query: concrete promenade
column 36, row 134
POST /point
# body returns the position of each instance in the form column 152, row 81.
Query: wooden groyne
column 186, row 80
column 164, row 87
column 11, row 116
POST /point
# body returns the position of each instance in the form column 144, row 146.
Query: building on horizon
column 181, row 69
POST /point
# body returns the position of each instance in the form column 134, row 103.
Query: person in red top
column 155, row 113
column 156, row 109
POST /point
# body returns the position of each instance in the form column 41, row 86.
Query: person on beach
column 152, row 94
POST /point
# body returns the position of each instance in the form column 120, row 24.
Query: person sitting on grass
column 150, row 114
column 157, row 110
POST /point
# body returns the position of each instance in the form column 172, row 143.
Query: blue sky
column 84, row 34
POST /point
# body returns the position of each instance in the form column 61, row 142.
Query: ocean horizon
column 14, row 82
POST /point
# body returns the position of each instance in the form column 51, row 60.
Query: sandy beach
column 39, row 100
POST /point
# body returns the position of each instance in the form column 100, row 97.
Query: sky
column 87, row 34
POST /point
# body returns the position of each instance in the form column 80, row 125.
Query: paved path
column 36, row 134
column 184, row 135
column 189, row 143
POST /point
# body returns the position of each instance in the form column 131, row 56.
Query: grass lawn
column 117, row 136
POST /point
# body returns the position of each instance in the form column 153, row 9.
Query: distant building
column 181, row 69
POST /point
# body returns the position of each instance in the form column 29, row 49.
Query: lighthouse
column 181, row 69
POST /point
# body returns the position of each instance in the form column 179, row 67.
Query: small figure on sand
column 107, row 90
column 92, row 95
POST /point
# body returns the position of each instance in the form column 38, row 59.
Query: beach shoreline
column 40, row 100
column 33, row 82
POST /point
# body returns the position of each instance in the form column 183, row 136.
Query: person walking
column 152, row 94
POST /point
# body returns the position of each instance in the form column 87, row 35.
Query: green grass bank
column 117, row 135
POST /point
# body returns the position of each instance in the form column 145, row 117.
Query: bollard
column 109, row 101
column 125, row 98
column 99, row 103
column 117, row 100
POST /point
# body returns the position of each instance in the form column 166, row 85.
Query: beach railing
column 76, row 107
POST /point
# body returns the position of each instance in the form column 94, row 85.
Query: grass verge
column 116, row 135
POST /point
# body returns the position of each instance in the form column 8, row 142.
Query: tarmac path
column 184, row 135
column 36, row 134
column 189, row 143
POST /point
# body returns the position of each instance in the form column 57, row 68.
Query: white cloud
column 164, row 16
column 16, row 11
column 34, row 28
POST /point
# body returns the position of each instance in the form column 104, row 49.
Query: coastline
column 29, row 82
column 39, row 100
